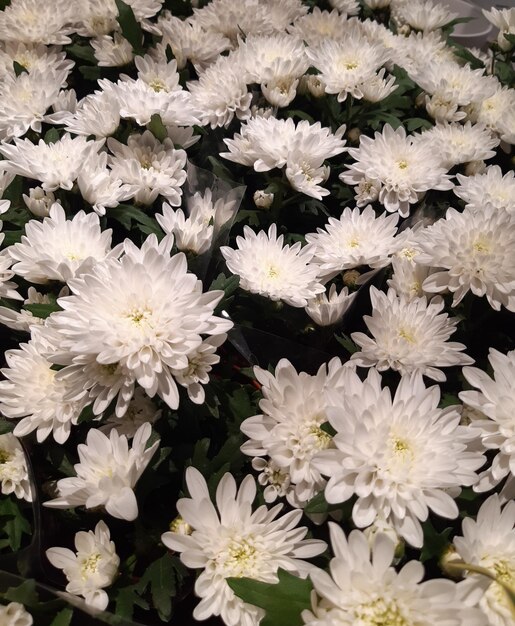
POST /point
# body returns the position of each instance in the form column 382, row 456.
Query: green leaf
column 51, row 136
column 63, row 618
column 42, row 310
column 161, row 577
column 19, row 69
column 25, row 594
column 347, row 343
column 124, row 213
column 434, row 542
column 241, row 405
column 283, row 601
column 157, row 128
column 12, row 237
column 86, row 415
column 14, row 524
column 129, row 26
column 85, row 53
column 302, row 115
column 126, row 599
column 91, row 72
column 5, row 426
column 414, row 123
column 219, row 169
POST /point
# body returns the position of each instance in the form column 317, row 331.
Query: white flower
column 289, row 433
column 160, row 74
column 191, row 234
column 504, row 20
column 357, row 238
column 401, row 456
column 404, row 169
column 8, row 288
column 112, row 51
column 24, row 319
column 15, row 614
column 408, row 276
column 318, row 25
column 92, row 568
column 149, row 167
column 276, row 271
column 350, row 7
column 364, row 589
column 488, row 190
column 425, row 15
column 497, row 112
column 473, row 250
column 59, row 249
column 378, row 87
column 107, row 473
column 262, row 199
column 95, row 17
column 14, row 477
column 29, row 21
column 495, row 399
column 329, row 308
column 54, row 164
column 489, row 542
column 408, row 336
column 32, row 391
column 232, row 540
column 97, row 114
column 39, row 201
column 143, row 313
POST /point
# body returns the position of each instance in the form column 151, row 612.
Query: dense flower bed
column 257, row 292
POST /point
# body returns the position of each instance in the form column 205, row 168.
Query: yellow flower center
column 407, row 335
column 381, row 612
column 402, row 164
column 158, row 85
column 5, row 456
column 90, row 565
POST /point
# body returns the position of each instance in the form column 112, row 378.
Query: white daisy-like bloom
column 405, row 169
column 495, row 399
column 149, row 167
column 357, row 238
column 14, row 476
column 218, row 107
column 33, row 57
column 91, row 568
column 424, row 15
column 408, row 276
column 268, row 267
column 289, row 432
column 59, row 249
column 6, row 178
column 107, row 473
column 489, row 542
column 189, row 41
column 191, row 233
column 54, row 164
column 39, row 201
column 99, row 186
column 398, row 453
column 31, row 390
column 15, row 614
column 8, row 288
column 231, row 540
column 328, row 308
column 488, row 190
column 95, row 18
column 144, row 313
column 29, row 21
column 26, row 99
column 362, row 587
column 347, row 63
column 419, row 52
column 24, row 319
column 113, row 51
column 97, row 114
column 410, row 336
column 460, row 143
column 378, row 87
column 141, row 410
column 497, row 112
column 318, row 25
column 160, row 74
column 504, row 20
column 349, row 7
column 473, row 251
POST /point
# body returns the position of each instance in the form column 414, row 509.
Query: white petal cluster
column 328, row 308
column 14, row 476
column 424, row 15
column 29, row 21
column 488, row 190
column 504, row 20
column 15, row 614
column 233, row 540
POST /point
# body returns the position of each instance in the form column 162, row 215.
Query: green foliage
column 5, row 426
column 13, row 523
column 283, row 601
column 129, row 26
column 434, row 542
column 161, row 579
column 63, row 618
column 157, row 128
column 84, row 52
column 347, row 343
column 19, row 69
column 42, row 310
column 125, row 214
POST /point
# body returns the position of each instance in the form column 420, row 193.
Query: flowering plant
column 257, row 288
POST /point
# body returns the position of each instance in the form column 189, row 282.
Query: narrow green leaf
column 347, row 343
column 129, row 26
column 19, row 69
column 5, row 426
column 91, row 72
column 157, row 128
column 63, row 618
column 13, row 524
column 85, row 53
column 434, row 542
column 126, row 599
column 414, row 123
column 161, row 577
column 42, row 310
column 124, row 213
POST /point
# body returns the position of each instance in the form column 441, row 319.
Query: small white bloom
column 425, row 15
column 112, row 51
column 24, row 319
column 329, row 308
column 39, row 201
column 488, row 190
column 408, row 336
column 504, row 20
column 97, row 114
column 318, row 25
column 29, row 21
column 262, row 199
column 14, row 476
column 276, row 271
column 141, row 409
column 107, row 473
column 91, row 568
column 232, row 540
column 14, row 614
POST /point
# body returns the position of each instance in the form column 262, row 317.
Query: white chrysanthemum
column 474, row 252
column 54, row 164
column 8, row 288
column 139, row 101
column 404, row 169
column 363, row 588
column 349, row 7
column 141, row 410
column 318, row 25
column 92, row 568
column 95, row 17
column 268, row 267
column 347, row 63
column 329, row 308
column 6, row 178
column 424, row 15
column 113, row 51
column 408, row 336
column 497, row 112
column 504, row 20
column 495, row 398
column 489, row 542
column 59, row 249
column 399, row 454
column 26, row 99
column 29, row 21
column 160, row 74
column 15, row 614
column 460, row 143
column 408, row 276
column 144, row 313
column 149, row 167
column 32, row 391
column 219, row 106
column 107, row 473
column 488, row 190
column 421, row 53
column 357, row 238
column 378, row 87
column 24, row 319
column 39, row 201
column 97, row 114
column 230, row 540
column 289, row 432
column 14, row 477
column 33, row 57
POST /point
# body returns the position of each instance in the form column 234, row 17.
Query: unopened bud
column 354, row 134
column 181, row 527
column 262, row 199
column 350, row 278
